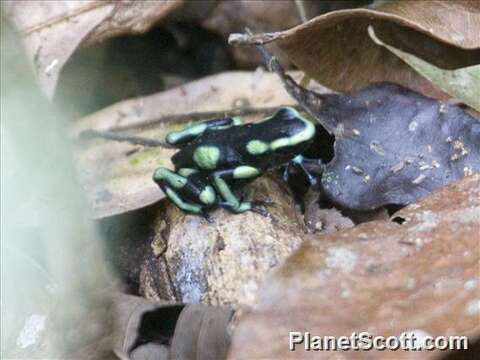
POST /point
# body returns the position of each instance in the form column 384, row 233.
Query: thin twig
column 302, row 12
column 115, row 135
column 308, row 100
column 200, row 115
column 135, row 140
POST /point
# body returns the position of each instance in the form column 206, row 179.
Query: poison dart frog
column 218, row 154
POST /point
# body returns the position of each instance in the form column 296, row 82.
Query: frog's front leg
column 232, row 203
column 185, row 184
column 302, row 163
column 191, row 132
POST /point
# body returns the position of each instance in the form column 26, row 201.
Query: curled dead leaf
column 462, row 84
column 335, row 48
column 201, row 333
column 53, row 30
column 159, row 330
column 233, row 16
column 380, row 277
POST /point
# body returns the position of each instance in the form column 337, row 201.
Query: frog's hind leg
column 174, row 186
column 184, row 205
column 232, row 203
column 191, row 132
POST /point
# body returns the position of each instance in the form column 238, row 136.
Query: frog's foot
column 207, row 217
column 237, row 207
column 260, row 209
column 241, row 207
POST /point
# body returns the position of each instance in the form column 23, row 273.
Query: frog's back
column 265, row 144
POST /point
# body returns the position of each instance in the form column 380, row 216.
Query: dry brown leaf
column 380, row 277
column 117, row 176
column 234, row 16
column 335, row 48
column 53, row 30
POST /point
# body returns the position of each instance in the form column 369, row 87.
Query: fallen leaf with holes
column 53, row 30
column 392, row 145
column 335, row 48
column 118, row 176
column 381, row 277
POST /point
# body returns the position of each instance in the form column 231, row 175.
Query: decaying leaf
column 335, row 48
column 233, row 16
column 53, row 30
column 392, row 145
column 221, row 262
column 132, row 316
column 201, row 333
column 463, row 84
column 117, row 176
column 381, row 277
column 322, row 220
column 160, row 330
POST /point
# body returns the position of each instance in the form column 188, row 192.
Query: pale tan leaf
column 462, row 84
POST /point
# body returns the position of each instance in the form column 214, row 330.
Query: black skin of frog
column 217, row 155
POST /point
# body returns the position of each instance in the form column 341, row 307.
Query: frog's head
column 300, row 131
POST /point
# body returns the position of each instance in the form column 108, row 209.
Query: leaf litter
column 392, row 145
column 381, row 276
column 53, row 30
column 463, row 83
column 335, row 49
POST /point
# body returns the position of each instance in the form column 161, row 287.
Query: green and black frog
column 217, row 155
